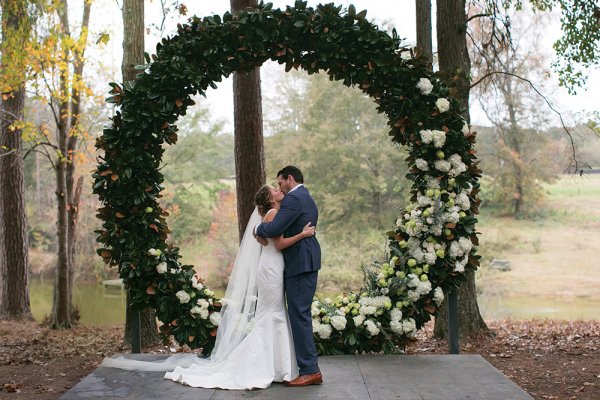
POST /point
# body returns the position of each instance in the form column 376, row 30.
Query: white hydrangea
column 197, row 285
column 442, row 104
column 426, row 136
column 422, row 164
column 368, row 310
column 183, row 296
column 215, row 318
column 155, row 252
column 452, row 216
column 378, row 301
column 458, row 166
column 359, row 319
column 204, row 313
column 202, row 303
column 372, row 328
column 195, row 310
column 161, row 268
column 465, row 129
column 409, row 326
column 396, row 327
column 465, row 244
column 323, row 330
column 405, row 55
column 442, row 165
column 316, row 324
column 430, row 258
column 425, row 86
column 424, row 201
column 438, row 295
column 459, row 265
column 338, row 322
column 314, row 310
column 433, row 182
column 396, row 314
column 439, row 138
column 462, row 201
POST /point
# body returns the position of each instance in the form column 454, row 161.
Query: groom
column 302, row 263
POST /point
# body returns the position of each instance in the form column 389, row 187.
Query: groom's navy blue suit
column 302, row 262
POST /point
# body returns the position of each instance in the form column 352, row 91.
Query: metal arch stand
column 453, row 341
column 136, row 336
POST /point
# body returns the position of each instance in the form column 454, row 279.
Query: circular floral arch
column 432, row 242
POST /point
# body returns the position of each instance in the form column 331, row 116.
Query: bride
column 254, row 345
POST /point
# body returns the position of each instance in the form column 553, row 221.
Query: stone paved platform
column 364, row 377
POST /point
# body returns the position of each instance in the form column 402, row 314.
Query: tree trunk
column 14, row 243
column 14, row 253
column 424, row 39
column 61, row 310
column 248, row 134
column 453, row 56
column 133, row 54
column 74, row 191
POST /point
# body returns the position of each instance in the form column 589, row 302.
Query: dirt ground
column 549, row 359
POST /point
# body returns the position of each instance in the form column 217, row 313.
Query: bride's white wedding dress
column 266, row 355
column 254, row 345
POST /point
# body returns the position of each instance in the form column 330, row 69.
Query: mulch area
column 549, row 359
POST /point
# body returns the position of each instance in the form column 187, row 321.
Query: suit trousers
column 300, row 291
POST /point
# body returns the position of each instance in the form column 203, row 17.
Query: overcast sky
column 397, row 13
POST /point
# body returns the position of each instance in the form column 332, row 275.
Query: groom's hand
column 261, row 240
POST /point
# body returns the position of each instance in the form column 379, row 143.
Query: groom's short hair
column 285, row 172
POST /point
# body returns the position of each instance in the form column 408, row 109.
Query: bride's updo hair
column 263, row 200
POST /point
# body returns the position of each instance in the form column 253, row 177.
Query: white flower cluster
column 338, row 322
column 359, row 319
column 197, row 285
column 419, row 288
column 442, row 104
column 442, row 165
column 407, row 327
column 183, row 296
column 437, row 137
column 215, row 318
column 438, row 295
column 425, row 86
column 465, row 129
column 405, row 55
column 460, row 250
column 374, row 305
column 322, row 330
column 155, row 252
column 201, row 308
column 458, row 166
column 422, row 164
column 373, row 328
column 162, row 267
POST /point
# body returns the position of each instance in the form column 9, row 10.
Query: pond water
column 100, row 306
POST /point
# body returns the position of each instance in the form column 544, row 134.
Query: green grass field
column 554, row 260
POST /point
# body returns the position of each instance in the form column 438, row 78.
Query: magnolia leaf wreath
column 434, row 240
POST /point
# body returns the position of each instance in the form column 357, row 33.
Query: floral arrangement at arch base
column 434, row 240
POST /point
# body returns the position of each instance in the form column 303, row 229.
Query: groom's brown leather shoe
column 306, row 380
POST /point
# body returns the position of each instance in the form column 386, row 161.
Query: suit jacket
column 297, row 209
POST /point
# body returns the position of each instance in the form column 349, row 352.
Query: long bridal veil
column 237, row 313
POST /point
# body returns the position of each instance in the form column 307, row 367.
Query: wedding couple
column 259, row 341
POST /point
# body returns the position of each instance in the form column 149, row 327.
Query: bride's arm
column 281, row 242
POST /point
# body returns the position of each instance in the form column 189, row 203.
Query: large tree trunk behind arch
column 248, row 133
column 453, row 54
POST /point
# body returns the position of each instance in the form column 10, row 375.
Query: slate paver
column 362, row 377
